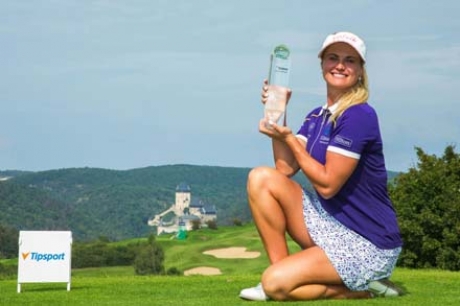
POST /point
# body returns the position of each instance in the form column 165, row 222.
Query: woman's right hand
column 281, row 92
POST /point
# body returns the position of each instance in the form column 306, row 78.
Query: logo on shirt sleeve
column 342, row 141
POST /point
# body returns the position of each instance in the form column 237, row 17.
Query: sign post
column 44, row 256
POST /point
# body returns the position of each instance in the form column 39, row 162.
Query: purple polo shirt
column 362, row 204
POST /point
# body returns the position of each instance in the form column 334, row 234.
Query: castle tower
column 182, row 197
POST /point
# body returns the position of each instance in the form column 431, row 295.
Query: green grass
column 119, row 285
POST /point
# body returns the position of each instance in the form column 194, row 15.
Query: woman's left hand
column 274, row 130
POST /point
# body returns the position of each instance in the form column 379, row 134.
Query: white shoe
column 384, row 288
column 254, row 293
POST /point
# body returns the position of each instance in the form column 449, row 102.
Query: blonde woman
column 347, row 228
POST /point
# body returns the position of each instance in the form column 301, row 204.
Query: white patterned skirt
column 355, row 259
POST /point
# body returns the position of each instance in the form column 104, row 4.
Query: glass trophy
column 280, row 65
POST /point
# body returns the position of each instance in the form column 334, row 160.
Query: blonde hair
column 358, row 94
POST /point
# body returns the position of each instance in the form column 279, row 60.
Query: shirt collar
column 332, row 109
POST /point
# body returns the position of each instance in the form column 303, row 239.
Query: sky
column 129, row 84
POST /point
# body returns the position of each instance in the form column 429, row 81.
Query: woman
column 348, row 230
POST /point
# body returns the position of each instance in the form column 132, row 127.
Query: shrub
column 237, row 222
column 427, row 201
column 102, row 254
column 149, row 258
column 196, row 224
column 174, row 271
column 8, row 271
column 212, row 224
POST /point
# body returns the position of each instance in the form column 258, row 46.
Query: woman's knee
column 263, row 177
column 274, row 284
column 259, row 174
column 258, row 178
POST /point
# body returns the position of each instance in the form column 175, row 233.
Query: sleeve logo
column 343, row 141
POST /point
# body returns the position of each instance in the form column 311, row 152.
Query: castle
column 186, row 211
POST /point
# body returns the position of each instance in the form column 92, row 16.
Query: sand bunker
column 203, row 271
column 233, row 252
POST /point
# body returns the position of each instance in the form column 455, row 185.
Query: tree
column 8, row 242
column 427, row 201
column 150, row 258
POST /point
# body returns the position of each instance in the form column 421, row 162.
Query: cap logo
column 341, row 37
column 348, row 38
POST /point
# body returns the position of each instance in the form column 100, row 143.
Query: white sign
column 44, row 256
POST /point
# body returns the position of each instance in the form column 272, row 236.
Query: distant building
column 186, row 211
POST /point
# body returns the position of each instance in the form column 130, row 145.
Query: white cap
column 348, row 38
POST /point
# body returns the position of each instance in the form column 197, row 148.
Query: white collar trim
column 332, row 109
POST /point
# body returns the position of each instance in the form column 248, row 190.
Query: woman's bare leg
column 306, row 275
column 276, row 206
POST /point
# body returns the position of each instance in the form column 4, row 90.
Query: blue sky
column 128, row 84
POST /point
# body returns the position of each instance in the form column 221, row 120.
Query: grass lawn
column 119, row 285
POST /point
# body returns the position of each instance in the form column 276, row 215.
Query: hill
column 116, row 204
column 96, row 202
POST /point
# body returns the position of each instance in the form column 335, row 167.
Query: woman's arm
column 290, row 156
column 285, row 161
column 327, row 179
